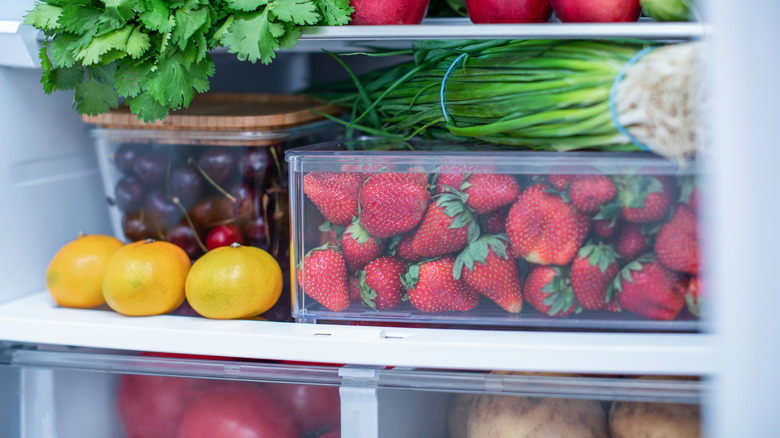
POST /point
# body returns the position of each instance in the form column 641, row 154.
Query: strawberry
column 548, row 290
column 495, row 222
column 453, row 175
column 432, row 288
column 358, row 247
column 592, row 272
column 604, row 227
column 677, row 244
column 353, row 287
column 380, row 283
column 491, row 272
column 401, row 246
column 448, row 226
column 335, row 194
column 645, row 287
column 632, row 241
column 645, row 198
column 544, row 229
column 487, row 192
column 693, row 295
column 417, row 173
column 325, row 278
column 589, row 192
column 392, row 203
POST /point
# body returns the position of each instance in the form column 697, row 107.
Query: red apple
column 388, row 11
column 509, row 11
column 596, row 11
column 314, row 407
column 152, row 406
column 236, row 410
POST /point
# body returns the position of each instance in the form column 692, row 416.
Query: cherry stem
column 211, row 181
column 176, row 201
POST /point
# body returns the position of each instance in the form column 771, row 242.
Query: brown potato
column 654, row 420
column 503, row 416
column 458, row 415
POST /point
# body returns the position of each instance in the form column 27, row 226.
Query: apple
column 314, row 407
column 236, row 410
column 508, row 11
column 596, row 11
column 373, row 12
column 152, row 406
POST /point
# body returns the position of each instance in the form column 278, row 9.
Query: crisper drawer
column 63, row 392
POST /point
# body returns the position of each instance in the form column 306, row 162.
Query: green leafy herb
column 154, row 54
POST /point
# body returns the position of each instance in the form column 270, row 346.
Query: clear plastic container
column 493, row 236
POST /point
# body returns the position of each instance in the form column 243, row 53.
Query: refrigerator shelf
column 21, row 42
column 601, row 387
column 36, row 319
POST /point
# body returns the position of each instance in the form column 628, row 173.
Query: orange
column 146, row 278
column 235, row 281
column 75, row 274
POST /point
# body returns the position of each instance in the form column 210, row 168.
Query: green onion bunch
column 537, row 94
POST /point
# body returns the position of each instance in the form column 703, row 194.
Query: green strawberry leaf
column 412, row 276
column 357, row 232
column 367, row 294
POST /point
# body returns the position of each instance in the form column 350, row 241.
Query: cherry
column 210, row 211
column 152, row 167
column 136, row 227
column 161, row 211
column 129, row 193
column 184, row 237
column 224, row 235
column 219, row 163
column 187, row 184
column 124, row 157
column 254, row 163
column 255, row 232
column 245, row 203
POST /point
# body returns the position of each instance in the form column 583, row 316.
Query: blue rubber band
column 613, row 92
column 443, row 82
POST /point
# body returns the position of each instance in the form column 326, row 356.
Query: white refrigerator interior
column 51, row 189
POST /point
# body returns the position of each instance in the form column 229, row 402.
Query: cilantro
column 155, row 53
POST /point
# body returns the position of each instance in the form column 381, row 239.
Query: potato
column 458, row 415
column 504, row 416
column 654, row 420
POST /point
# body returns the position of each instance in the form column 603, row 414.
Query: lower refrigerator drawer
column 69, row 392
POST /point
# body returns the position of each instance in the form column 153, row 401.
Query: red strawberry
column 380, row 283
column 632, row 241
column 325, row 278
column 353, row 286
column 592, row 272
column 645, row 198
column 495, row 222
column 677, row 244
column 401, row 246
column 392, row 203
column 589, row 192
column 548, row 290
column 335, row 194
column 417, row 173
column 491, row 271
column 432, row 288
column 358, row 247
column 487, row 192
column 452, row 175
column 648, row 289
column 447, row 226
column 367, row 169
column 693, row 295
column 605, row 227
column 560, row 180
column 544, row 229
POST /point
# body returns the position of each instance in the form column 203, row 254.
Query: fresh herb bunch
column 155, row 53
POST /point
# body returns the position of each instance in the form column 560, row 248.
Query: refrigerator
column 62, row 370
